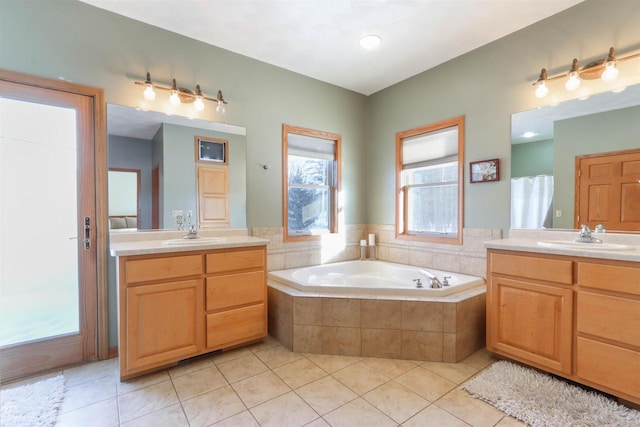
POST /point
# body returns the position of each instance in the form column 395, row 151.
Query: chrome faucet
column 434, row 283
column 584, row 236
column 193, row 233
column 600, row 228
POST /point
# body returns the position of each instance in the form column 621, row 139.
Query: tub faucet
column 445, row 280
column 193, row 233
column 584, row 236
column 418, row 283
column 434, row 283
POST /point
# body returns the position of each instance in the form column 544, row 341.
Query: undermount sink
column 188, row 242
column 563, row 244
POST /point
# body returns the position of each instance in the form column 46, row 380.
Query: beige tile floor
column 266, row 385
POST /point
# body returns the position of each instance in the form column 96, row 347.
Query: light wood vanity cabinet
column 608, row 326
column 530, row 309
column 576, row 317
column 179, row 305
column 236, row 297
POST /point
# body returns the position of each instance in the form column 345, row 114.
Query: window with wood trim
column 429, row 182
column 311, row 178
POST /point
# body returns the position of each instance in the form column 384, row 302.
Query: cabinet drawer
column 219, row 262
column 609, row 317
column 235, row 289
column 610, row 366
column 609, row 277
column 231, row 327
column 530, row 267
column 143, row 270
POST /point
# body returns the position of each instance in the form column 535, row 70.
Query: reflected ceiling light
column 529, row 134
column 605, row 69
column 370, row 41
column 179, row 95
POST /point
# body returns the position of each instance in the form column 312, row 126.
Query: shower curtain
column 532, row 201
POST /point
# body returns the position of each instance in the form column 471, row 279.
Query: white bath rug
column 540, row 400
column 32, row 405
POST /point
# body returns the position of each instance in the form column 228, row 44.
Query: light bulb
column 610, row 72
column 574, row 81
column 221, row 108
column 198, row 103
column 541, row 89
column 149, row 94
column 174, row 98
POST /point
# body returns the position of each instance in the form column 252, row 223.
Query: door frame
column 100, row 153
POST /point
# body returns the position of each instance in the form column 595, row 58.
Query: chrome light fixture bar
column 605, row 69
column 179, row 95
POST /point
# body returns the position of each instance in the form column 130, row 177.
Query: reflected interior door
column 608, row 190
column 48, row 291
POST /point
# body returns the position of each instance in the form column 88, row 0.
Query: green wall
column 487, row 85
column 179, row 173
column 87, row 45
column 532, row 158
column 596, row 133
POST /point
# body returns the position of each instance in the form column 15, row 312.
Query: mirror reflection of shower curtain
column 532, row 201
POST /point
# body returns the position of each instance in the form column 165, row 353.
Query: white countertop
column 529, row 243
column 152, row 243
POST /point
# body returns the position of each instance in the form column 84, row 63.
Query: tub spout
column 434, row 283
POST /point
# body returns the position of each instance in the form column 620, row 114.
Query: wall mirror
column 545, row 143
column 161, row 149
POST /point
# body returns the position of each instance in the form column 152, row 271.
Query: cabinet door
column 231, row 327
column 530, row 322
column 163, row 323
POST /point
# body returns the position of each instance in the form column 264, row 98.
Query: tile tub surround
column 469, row 258
column 448, row 329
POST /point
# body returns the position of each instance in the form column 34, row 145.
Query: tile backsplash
column 469, row 258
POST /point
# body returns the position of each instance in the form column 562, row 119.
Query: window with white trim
column 311, row 172
column 429, row 182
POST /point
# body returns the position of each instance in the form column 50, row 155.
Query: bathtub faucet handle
column 445, row 280
column 418, row 283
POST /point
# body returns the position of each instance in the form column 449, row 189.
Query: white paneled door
column 47, row 229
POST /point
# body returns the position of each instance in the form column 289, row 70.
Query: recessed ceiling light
column 370, row 41
column 529, row 134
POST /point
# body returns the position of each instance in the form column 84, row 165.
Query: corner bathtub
column 373, row 309
column 373, row 278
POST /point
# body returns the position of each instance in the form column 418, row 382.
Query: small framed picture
column 484, row 171
column 211, row 150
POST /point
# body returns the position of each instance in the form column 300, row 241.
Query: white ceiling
column 320, row 38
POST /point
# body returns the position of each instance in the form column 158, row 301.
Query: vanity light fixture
column 574, row 79
column 179, row 95
column 610, row 72
column 605, row 69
